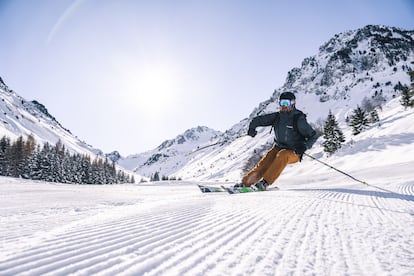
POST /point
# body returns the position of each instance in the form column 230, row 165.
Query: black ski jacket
column 291, row 129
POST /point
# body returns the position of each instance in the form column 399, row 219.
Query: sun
column 153, row 87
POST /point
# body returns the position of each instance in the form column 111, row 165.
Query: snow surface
column 319, row 223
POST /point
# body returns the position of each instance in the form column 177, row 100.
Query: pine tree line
column 23, row 158
column 156, row 177
column 360, row 119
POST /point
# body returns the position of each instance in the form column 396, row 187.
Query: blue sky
column 127, row 75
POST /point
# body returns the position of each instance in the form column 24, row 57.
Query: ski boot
column 239, row 185
column 261, row 185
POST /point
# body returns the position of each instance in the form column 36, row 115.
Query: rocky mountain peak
column 351, row 58
column 190, row 136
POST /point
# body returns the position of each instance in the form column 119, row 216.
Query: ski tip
column 210, row 189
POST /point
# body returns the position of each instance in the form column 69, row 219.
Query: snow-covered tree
column 407, row 97
column 332, row 135
column 358, row 121
column 4, row 161
column 407, row 93
column 373, row 116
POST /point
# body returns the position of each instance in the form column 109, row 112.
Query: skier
column 293, row 136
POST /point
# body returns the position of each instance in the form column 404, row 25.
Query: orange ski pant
column 270, row 166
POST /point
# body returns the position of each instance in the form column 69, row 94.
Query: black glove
column 300, row 150
column 251, row 132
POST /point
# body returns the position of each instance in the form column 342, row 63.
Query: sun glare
column 153, row 88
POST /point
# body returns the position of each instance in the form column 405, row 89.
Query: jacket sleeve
column 307, row 132
column 263, row 120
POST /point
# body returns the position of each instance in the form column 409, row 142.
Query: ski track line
column 199, row 251
column 293, row 241
column 158, row 256
column 246, row 241
column 373, row 212
column 36, row 260
column 385, row 203
column 74, row 241
column 376, row 213
column 407, row 194
column 149, row 251
column 60, row 253
column 223, row 256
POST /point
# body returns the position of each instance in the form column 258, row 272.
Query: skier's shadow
column 383, row 193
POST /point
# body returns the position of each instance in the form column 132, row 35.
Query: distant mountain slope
column 19, row 117
column 358, row 67
column 171, row 155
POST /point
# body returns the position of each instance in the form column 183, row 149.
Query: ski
column 231, row 190
column 238, row 190
column 210, row 189
column 242, row 190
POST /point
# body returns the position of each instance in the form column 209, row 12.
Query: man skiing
column 293, row 136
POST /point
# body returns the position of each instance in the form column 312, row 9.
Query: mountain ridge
column 20, row 117
column 162, row 159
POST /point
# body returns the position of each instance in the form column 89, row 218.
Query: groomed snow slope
column 321, row 224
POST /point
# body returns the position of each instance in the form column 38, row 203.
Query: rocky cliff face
column 368, row 50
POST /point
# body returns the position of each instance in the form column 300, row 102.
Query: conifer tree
column 407, row 99
column 358, row 121
column 34, row 165
column 17, row 158
column 4, row 161
column 373, row 116
column 156, row 177
column 407, row 93
column 333, row 135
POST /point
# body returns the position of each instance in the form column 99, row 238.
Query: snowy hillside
column 19, row 117
column 171, row 155
column 381, row 144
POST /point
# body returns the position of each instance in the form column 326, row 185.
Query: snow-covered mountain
column 172, row 154
column 358, row 67
column 19, row 117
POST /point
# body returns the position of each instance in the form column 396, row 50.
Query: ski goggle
column 286, row 102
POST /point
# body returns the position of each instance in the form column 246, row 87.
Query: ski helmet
column 287, row 96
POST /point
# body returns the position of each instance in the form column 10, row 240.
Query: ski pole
column 198, row 149
column 360, row 181
column 219, row 142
